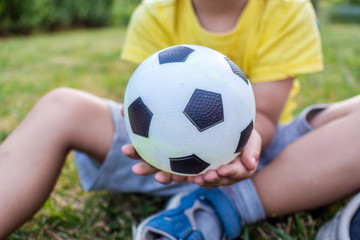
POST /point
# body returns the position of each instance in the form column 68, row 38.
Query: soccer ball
column 188, row 109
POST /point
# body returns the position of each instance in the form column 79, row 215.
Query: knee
column 353, row 106
column 59, row 102
column 349, row 109
column 357, row 109
column 356, row 100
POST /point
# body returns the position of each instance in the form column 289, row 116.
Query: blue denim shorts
column 115, row 173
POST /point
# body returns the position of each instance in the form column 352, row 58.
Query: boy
column 272, row 42
column 259, row 36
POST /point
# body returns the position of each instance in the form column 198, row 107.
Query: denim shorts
column 115, row 173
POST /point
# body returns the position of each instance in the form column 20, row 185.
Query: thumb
column 251, row 152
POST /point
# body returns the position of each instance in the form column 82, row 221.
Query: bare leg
column 317, row 169
column 31, row 158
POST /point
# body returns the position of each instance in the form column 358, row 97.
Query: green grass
column 32, row 66
column 341, row 77
column 89, row 60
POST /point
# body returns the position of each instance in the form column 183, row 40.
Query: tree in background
column 26, row 16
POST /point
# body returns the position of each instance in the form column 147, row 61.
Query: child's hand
column 242, row 167
column 144, row 169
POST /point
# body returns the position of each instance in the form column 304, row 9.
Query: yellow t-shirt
column 272, row 40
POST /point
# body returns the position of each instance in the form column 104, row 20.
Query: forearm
column 270, row 98
column 266, row 129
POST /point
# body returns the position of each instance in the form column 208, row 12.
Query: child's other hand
column 242, row 167
column 144, row 169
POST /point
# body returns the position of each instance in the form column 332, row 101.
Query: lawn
column 89, row 60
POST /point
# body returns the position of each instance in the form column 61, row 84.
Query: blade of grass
column 278, row 232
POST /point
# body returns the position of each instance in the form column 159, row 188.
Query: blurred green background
column 46, row 44
column 30, row 16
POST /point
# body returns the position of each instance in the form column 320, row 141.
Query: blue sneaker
column 345, row 225
column 178, row 220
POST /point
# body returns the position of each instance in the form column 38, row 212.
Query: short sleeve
column 148, row 32
column 289, row 42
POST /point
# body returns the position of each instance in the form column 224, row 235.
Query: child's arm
column 270, row 100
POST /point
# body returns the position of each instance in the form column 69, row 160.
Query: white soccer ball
column 188, row 109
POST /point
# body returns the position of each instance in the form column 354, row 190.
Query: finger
column 211, row 176
column 234, row 170
column 220, row 182
column 163, row 177
column 178, row 178
column 223, row 181
column 191, row 179
column 199, row 180
column 251, row 152
column 130, row 151
column 144, row 169
column 213, row 179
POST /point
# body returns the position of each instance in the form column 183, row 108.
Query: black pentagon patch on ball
column 175, row 54
column 244, row 137
column 204, row 109
column 191, row 164
column 236, row 70
column 140, row 117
